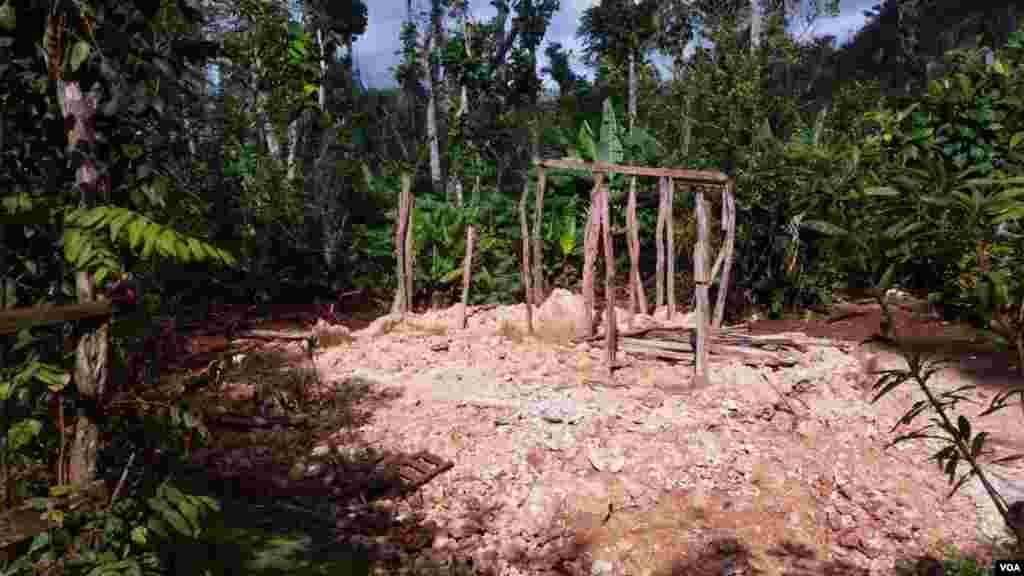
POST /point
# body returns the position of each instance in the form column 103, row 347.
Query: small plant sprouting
column 962, row 444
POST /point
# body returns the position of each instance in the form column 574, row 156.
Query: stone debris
column 643, row 468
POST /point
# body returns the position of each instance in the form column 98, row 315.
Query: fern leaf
column 135, row 232
column 118, row 222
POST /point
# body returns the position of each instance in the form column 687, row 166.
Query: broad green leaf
column 823, row 227
column 587, row 142
column 1011, row 214
column 1016, row 139
column 183, row 250
column 93, row 215
column 152, row 232
column 887, row 278
column 964, row 427
column 936, row 200
column 166, row 243
column 118, row 222
column 8, row 17
column 72, row 245
column 88, row 251
column 170, row 515
column 55, row 381
column 978, row 444
column 157, row 527
column 79, row 53
column 198, row 255
column 22, row 433
column 882, row 191
column 135, row 232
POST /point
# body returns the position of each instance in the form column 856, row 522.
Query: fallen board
column 679, row 345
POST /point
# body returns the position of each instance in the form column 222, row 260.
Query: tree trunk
column 266, row 126
column 91, row 352
column 410, row 250
column 632, row 91
column 467, row 265
column 755, row 25
column 293, row 147
column 400, row 305
column 322, row 91
column 430, row 68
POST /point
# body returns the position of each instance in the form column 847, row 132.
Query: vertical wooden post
column 671, row 249
column 659, row 243
column 590, row 255
column 728, row 243
column 636, row 288
column 539, row 288
column 611, row 327
column 524, row 229
column 403, row 245
column 700, row 280
column 410, row 251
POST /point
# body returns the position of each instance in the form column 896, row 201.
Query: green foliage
column 148, row 535
column 87, row 247
column 963, row 444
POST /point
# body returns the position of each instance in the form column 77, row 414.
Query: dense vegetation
column 227, row 152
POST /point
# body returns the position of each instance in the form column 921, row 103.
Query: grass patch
column 556, row 332
column 508, row 329
column 334, row 338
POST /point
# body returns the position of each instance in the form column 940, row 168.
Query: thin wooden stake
column 539, row 288
column 609, row 281
column 671, row 249
column 590, row 246
column 524, row 229
column 729, row 227
column 636, row 288
column 700, row 279
column 659, row 243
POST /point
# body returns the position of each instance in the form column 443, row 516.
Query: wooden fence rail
column 11, row 321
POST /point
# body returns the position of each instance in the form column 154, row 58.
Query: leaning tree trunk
column 430, row 68
column 91, row 352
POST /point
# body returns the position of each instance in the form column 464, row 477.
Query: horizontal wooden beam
column 11, row 321
column 694, row 176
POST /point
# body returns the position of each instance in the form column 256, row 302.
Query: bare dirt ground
column 560, row 470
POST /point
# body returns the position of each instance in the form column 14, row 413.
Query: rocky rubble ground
column 559, row 468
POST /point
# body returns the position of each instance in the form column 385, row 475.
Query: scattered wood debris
column 678, row 344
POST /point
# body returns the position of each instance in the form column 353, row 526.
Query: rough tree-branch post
column 598, row 233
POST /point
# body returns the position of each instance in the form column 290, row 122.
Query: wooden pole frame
column 598, row 234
